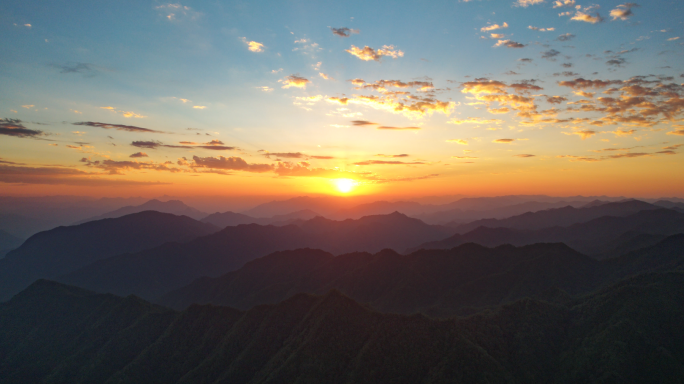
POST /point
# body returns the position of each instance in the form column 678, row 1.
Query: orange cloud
column 367, row 53
column 253, row 45
column 494, row 27
column 294, row 81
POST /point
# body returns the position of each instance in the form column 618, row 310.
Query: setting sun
column 344, row 185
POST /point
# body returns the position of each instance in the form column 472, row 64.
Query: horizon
column 474, row 98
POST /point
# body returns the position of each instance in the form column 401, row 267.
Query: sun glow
column 344, row 185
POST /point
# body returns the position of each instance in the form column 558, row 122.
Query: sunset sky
column 488, row 97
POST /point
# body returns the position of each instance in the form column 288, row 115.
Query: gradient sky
column 405, row 97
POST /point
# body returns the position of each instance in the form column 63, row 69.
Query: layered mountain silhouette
column 64, row 249
column 175, row 207
column 595, row 237
column 628, row 332
column 561, row 217
column 8, row 242
column 226, row 219
column 461, row 281
column 155, row 271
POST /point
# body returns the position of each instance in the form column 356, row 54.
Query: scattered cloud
column 138, row 154
column 563, row 3
column 367, row 53
column 565, row 37
column 363, row 122
column 541, row 29
column 229, row 163
column 503, row 141
column 294, row 81
column 15, row 128
column 124, row 113
column 550, row 55
column 583, row 134
column 494, row 27
column 118, row 127
column 527, row 3
column 509, row 44
column 524, row 155
column 85, row 69
column 344, row 32
column 457, row 141
column 253, row 45
column 386, row 162
column 264, row 89
column 61, row 176
column 325, row 76
column 623, row 11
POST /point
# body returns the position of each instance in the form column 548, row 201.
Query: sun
column 344, row 185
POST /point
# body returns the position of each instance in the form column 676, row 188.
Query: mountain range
column 628, row 332
column 460, row 281
column 175, row 207
column 596, row 237
column 61, row 250
column 153, row 272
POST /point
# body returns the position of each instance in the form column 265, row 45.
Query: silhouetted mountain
column 629, row 332
column 226, row 219
column 594, row 237
column 325, row 205
column 561, row 217
column 456, row 215
column 153, row 272
column 8, row 242
column 461, row 281
column 64, row 249
column 670, row 204
column 175, row 207
column 26, row 216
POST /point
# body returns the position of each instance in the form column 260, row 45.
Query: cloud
column 587, row 17
column 629, row 155
column 524, row 155
column 285, row 155
column 581, row 83
column 541, row 29
column 556, row 99
column 253, row 45
column 15, row 128
column 503, row 141
column 147, row 144
column 264, row 89
column 294, row 81
column 323, row 157
column 618, row 62
column 362, row 122
column 229, row 163
column 623, row 132
column 325, row 76
column 86, row 69
column 386, row 162
column 61, row 176
column 623, row 11
column 527, row 3
column 344, row 32
column 138, row 154
column 177, row 12
column 457, row 141
column 563, row 3
column 493, row 27
column 367, row 53
column 583, row 134
column 124, row 113
column 509, row 44
column 199, row 106
column 566, row 37
column 118, row 127
column 392, row 156
column 679, row 132
column 550, row 55
column 673, row 38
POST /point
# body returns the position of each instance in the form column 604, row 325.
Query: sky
column 402, row 98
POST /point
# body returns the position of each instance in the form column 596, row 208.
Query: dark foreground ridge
column 629, row 332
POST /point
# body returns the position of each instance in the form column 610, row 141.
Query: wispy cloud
column 343, row 32
column 118, row 127
column 367, row 53
column 294, row 81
